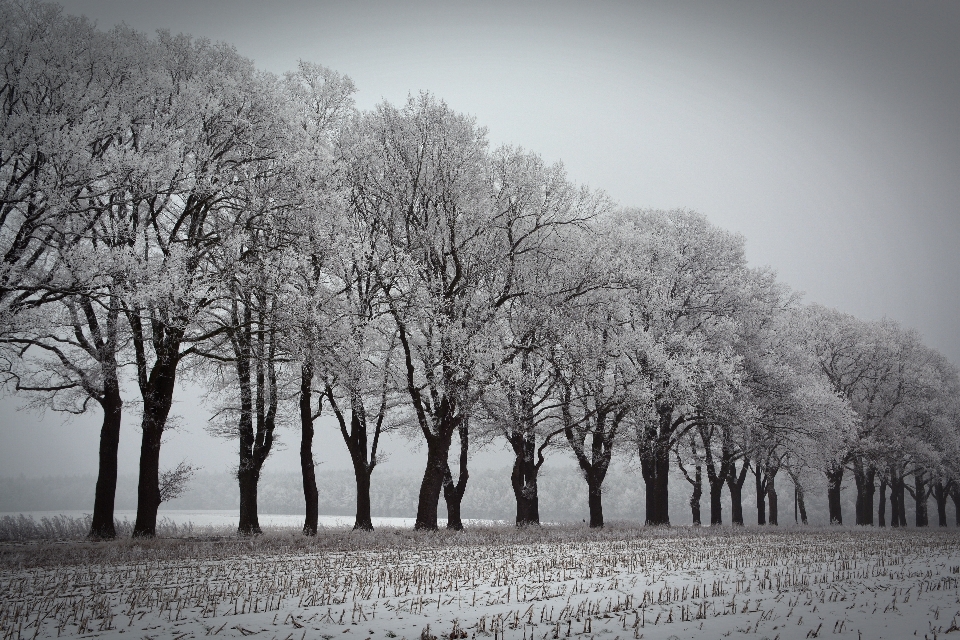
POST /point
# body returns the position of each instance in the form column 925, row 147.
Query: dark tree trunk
column 256, row 348
column 247, row 471
column 834, row 480
column 362, row 468
column 869, row 492
column 920, row 495
column 696, row 482
column 898, row 515
column 655, row 472
column 902, row 504
column 248, row 479
column 865, row 479
column 453, row 492
column 695, row 496
column 106, row 492
column 800, row 502
column 595, row 476
column 311, row 496
column 715, row 478
column 523, row 478
column 595, row 500
column 761, row 484
column 882, row 506
column 438, row 447
column 940, row 495
column 148, row 486
column 362, row 521
column 955, row 496
column 248, row 475
column 364, row 460
column 798, row 497
column 655, row 467
column 774, row 515
column 735, row 482
column 438, row 419
column 716, row 500
column 896, row 497
column 157, row 399
column 594, row 462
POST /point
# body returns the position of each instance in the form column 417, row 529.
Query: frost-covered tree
column 423, row 173
column 72, row 97
column 596, row 385
column 680, row 281
column 517, row 401
column 213, row 128
column 888, row 378
column 792, row 406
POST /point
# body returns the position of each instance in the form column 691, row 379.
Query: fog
column 824, row 132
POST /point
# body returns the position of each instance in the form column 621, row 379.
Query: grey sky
column 827, row 133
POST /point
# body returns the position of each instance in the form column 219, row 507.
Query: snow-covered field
column 490, row 582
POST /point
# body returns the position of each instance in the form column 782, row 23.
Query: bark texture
column 311, row 496
column 735, row 482
column 453, row 491
column 834, row 480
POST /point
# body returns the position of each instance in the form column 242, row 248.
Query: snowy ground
column 491, row 583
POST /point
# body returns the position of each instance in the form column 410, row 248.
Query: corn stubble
column 497, row 582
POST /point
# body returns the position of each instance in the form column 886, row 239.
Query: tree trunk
column 249, row 520
column 695, row 497
column 955, row 496
column 940, row 494
column 432, row 484
column 902, row 504
column 247, row 471
column 157, row 401
column 774, row 516
column 898, row 515
column 311, row 496
column 254, row 348
column 364, row 459
column 106, row 492
column 362, row 468
column 523, row 478
column 834, row 480
column 798, row 496
column 655, row 467
column 595, row 465
column 761, row 485
column 453, row 492
column 363, row 521
column 896, row 497
column 148, row 487
column 716, row 501
column 865, row 479
column 869, row 492
column 655, row 473
column 920, row 499
column 715, row 478
column 735, row 482
column 882, row 506
column 595, row 500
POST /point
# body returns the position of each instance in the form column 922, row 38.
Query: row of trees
column 168, row 209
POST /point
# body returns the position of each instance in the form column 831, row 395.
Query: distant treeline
column 395, row 495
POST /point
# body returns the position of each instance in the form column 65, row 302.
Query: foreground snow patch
column 799, row 584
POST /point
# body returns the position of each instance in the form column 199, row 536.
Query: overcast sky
column 826, row 133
